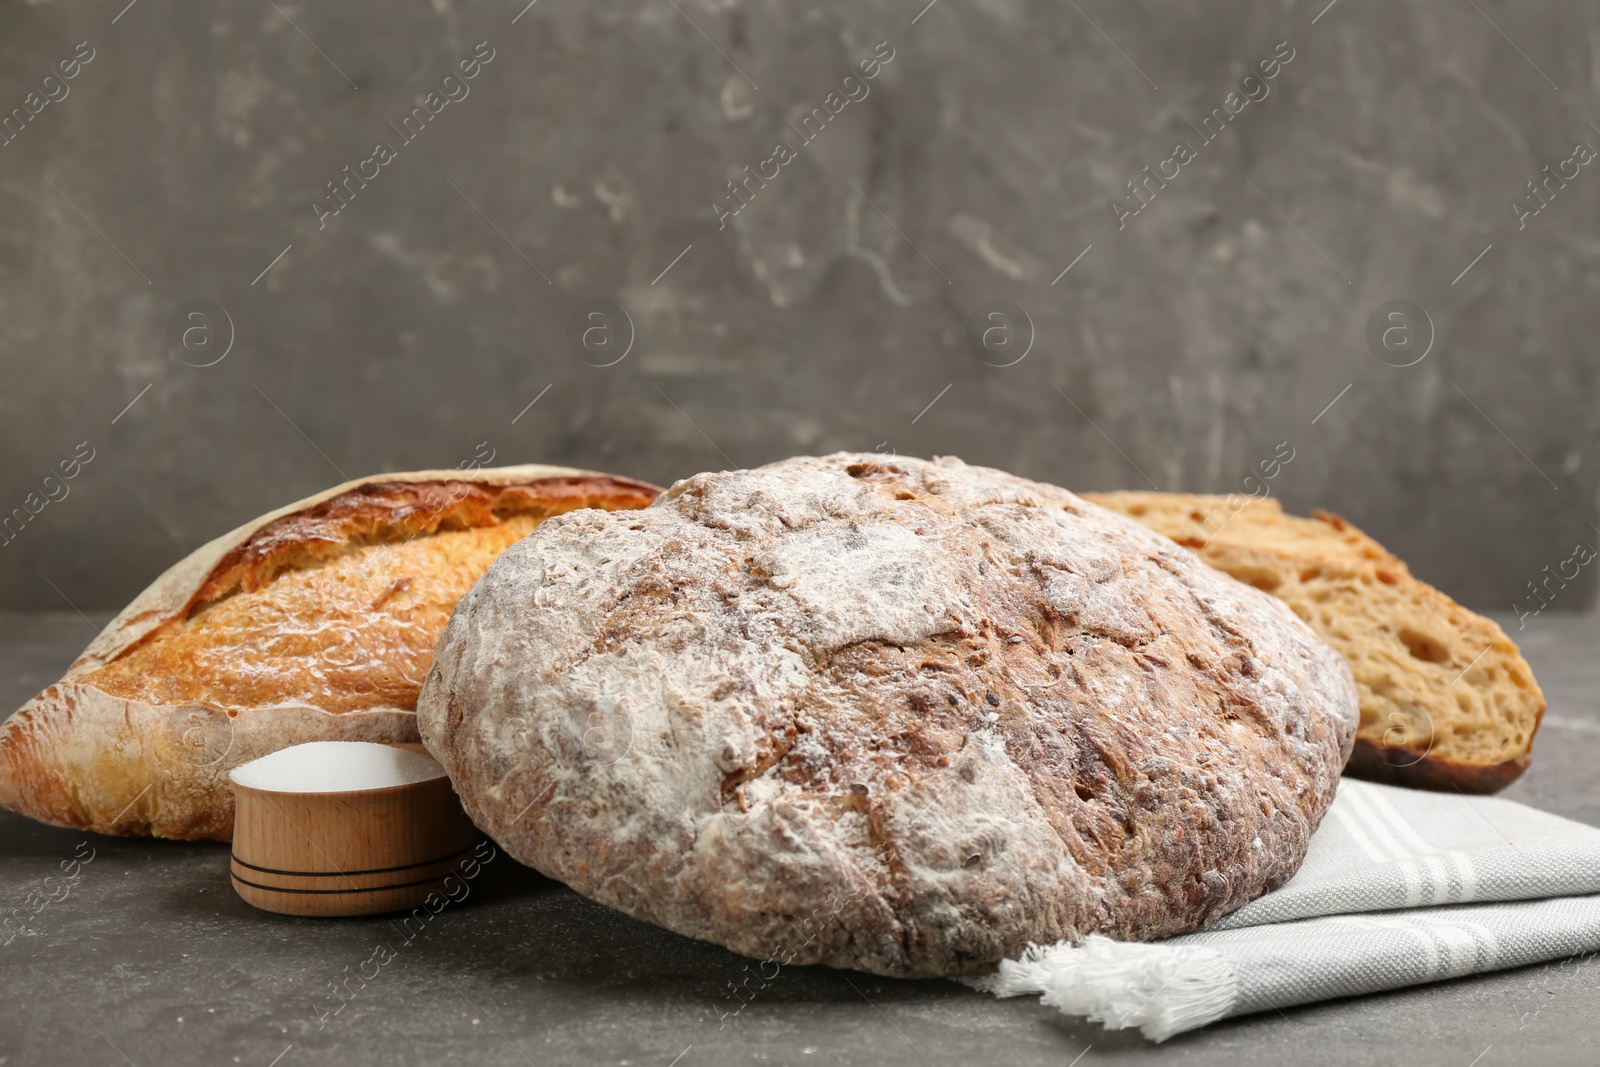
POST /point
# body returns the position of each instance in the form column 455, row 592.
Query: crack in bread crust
column 961, row 711
column 338, row 607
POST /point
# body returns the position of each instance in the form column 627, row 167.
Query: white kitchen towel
column 1399, row 887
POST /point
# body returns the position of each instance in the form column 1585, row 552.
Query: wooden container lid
column 345, row 828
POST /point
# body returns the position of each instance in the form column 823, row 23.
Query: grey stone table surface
column 152, row 959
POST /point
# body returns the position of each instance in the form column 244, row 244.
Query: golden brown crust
column 1392, row 765
column 1447, row 701
column 393, row 510
column 175, row 590
column 351, row 631
column 314, row 622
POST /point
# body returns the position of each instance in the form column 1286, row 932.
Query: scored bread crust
column 79, row 755
column 1447, row 700
column 889, row 714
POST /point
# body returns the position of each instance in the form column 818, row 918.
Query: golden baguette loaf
column 1447, row 701
column 313, row 623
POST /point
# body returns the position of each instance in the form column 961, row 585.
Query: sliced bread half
column 1447, row 701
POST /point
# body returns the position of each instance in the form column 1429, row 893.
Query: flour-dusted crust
column 103, row 750
column 886, row 714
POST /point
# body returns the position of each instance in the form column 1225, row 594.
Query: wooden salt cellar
column 358, row 852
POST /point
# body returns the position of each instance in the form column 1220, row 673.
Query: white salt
column 336, row 767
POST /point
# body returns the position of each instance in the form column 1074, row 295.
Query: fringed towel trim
column 1161, row 989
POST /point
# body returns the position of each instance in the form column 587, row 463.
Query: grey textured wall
column 414, row 327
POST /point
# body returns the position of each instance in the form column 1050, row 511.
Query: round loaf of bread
column 886, row 714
